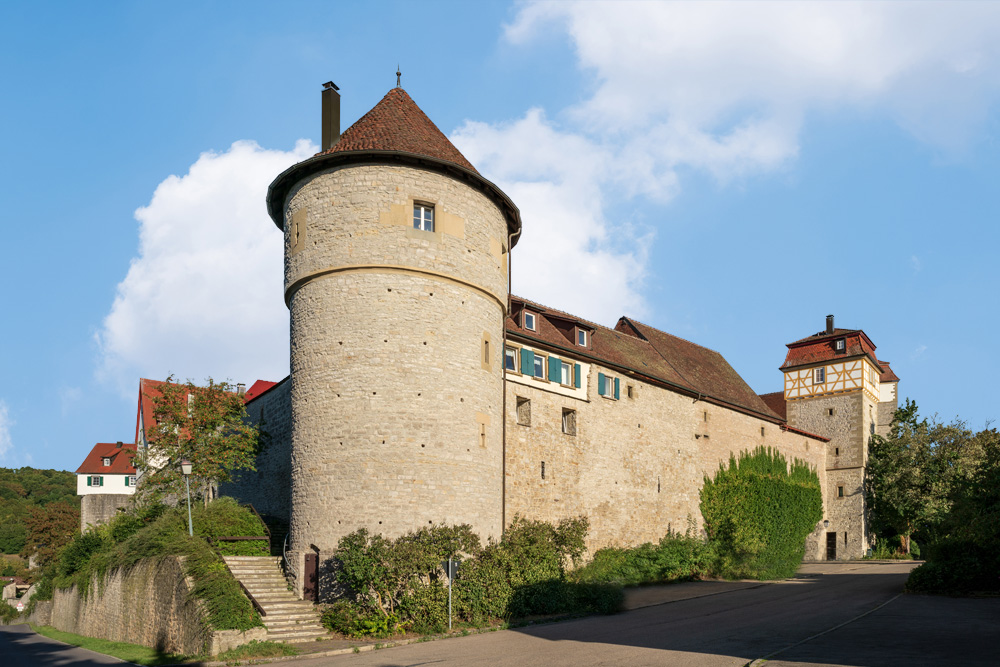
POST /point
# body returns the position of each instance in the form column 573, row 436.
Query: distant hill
column 24, row 488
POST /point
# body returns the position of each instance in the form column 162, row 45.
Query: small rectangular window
column 523, row 411
column 566, row 374
column 510, row 359
column 543, row 469
column 840, row 492
column 569, row 421
column 539, row 367
column 486, row 352
column 819, row 375
column 607, row 386
column 830, row 412
column 423, row 217
column 130, row 480
column 529, row 321
column 581, row 337
column 840, row 345
column 630, row 391
column 836, row 451
column 106, row 462
column 762, row 431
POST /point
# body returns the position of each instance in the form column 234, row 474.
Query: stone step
column 295, row 636
column 290, row 618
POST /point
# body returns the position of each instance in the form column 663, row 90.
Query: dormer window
column 105, row 461
column 423, row 217
column 529, row 321
column 840, row 345
column 581, row 337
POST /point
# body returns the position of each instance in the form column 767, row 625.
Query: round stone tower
column 396, row 282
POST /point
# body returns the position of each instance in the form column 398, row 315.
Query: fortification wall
column 636, row 465
column 396, row 387
column 847, row 420
column 268, row 488
column 98, row 508
column 147, row 604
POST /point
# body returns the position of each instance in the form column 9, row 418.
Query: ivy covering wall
column 758, row 511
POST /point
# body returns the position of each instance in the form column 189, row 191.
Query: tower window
column 569, row 421
column 423, row 217
column 840, row 491
column 840, row 345
column 529, row 321
column 819, row 375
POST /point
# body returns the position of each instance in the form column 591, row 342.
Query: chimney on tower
column 829, row 324
column 331, row 115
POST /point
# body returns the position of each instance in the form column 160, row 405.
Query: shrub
column 758, row 513
column 675, row 558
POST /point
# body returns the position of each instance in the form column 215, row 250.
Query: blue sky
column 729, row 173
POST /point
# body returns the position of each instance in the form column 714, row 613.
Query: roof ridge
column 566, row 313
column 665, row 333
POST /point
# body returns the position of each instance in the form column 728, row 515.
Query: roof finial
column 398, row 75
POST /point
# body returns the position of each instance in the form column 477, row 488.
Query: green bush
column 675, row 558
column 155, row 531
column 758, row 512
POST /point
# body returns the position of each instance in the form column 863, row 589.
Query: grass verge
column 257, row 649
column 140, row 655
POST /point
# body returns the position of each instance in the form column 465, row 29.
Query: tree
column 50, row 528
column 207, row 426
column 911, row 476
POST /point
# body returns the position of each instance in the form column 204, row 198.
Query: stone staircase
column 286, row 618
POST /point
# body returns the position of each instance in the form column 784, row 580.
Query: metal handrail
column 287, row 562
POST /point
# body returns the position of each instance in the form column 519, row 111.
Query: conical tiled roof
column 397, row 124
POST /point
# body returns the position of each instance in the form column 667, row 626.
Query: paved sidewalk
column 648, row 596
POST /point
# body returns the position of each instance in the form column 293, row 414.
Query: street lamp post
column 186, row 471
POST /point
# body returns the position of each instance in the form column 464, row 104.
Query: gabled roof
column 398, row 124
column 121, row 459
column 887, row 374
column 776, row 401
column 648, row 352
column 258, row 388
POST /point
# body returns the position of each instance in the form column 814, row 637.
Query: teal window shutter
column 616, row 389
column 90, row 480
column 555, row 370
column 126, row 480
column 527, row 362
column 100, row 480
column 601, row 383
column 576, row 375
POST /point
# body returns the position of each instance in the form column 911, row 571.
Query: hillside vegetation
column 27, row 493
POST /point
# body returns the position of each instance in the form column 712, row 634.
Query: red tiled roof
column 258, row 388
column 397, row 124
column 819, row 348
column 776, row 401
column 887, row 374
column 121, row 459
column 649, row 352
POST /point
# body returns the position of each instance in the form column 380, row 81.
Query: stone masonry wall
column 98, row 508
column 848, row 428
column 636, row 465
column 268, row 488
column 396, row 387
column 147, row 604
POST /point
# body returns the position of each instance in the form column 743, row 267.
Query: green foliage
column 400, row 585
column 758, row 512
column 257, row 649
column 211, row 430
column 965, row 557
column 49, row 529
column 676, row 557
column 890, row 550
column 155, row 531
column 26, row 488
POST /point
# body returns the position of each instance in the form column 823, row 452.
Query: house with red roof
column 106, row 480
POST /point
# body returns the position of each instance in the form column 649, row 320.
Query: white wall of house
column 112, row 484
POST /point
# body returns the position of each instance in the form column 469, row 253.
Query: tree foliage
column 25, row 488
column 912, row 475
column 207, row 426
column 49, row 529
column 758, row 512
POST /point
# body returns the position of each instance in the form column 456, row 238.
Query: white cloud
column 6, row 444
column 918, row 352
column 204, row 296
column 68, row 397
column 722, row 87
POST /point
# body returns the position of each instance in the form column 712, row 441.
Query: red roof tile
column 397, row 124
column 887, row 374
column 776, row 401
column 820, row 348
column 121, row 459
column 649, row 352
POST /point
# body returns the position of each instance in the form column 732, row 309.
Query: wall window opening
column 569, row 421
column 423, row 217
column 819, row 375
column 538, row 368
column 543, row 469
column 523, row 411
column 510, row 359
column 840, row 492
column 607, row 386
column 565, row 374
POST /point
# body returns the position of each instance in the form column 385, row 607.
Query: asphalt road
column 833, row 614
column 21, row 647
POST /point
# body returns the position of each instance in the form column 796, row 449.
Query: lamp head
column 185, row 467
